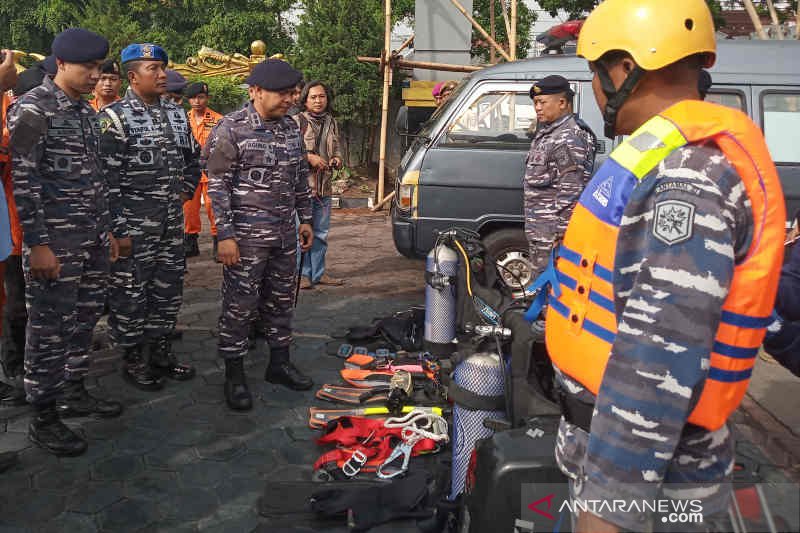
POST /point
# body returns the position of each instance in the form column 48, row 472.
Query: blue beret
column 552, row 85
column 274, row 75
column 77, row 45
column 144, row 52
column 175, row 82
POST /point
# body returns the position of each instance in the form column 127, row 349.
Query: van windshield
column 425, row 130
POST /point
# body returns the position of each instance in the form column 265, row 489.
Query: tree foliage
column 330, row 34
column 482, row 14
column 181, row 26
column 224, row 94
column 580, row 8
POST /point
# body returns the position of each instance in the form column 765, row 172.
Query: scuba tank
column 477, row 388
column 441, row 269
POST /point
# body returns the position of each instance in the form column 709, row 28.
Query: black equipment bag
column 514, row 469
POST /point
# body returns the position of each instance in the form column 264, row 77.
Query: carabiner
column 403, row 450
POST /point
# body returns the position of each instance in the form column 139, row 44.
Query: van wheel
column 509, row 247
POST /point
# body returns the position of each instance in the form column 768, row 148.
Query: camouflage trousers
column 263, row 281
column 62, row 314
column 539, row 254
column 147, row 288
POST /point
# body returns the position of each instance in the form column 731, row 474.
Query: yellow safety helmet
column 656, row 33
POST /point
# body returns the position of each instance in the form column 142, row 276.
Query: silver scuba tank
column 441, row 269
column 477, row 389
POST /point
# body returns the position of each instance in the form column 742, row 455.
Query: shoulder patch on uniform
column 673, row 222
column 28, row 128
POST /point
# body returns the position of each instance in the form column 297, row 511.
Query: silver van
column 465, row 167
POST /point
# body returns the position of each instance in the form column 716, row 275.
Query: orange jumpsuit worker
column 107, row 89
column 11, row 363
column 202, row 120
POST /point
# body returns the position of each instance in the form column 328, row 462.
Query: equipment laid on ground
column 509, row 465
column 441, row 269
column 477, row 389
column 366, row 507
column 319, row 418
column 353, row 395
column 365, row 445
column 428, row 370
column 401, row 331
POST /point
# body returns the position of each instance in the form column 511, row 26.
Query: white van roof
column 738, row 61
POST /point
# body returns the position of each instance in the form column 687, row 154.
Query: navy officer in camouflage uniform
column 558, row 166
column 257, row 181
column 61, row 200
column 151, row 163
column 678, row 266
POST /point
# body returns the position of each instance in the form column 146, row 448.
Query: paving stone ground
column 179, row 460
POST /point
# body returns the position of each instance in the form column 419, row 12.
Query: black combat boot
column 281, row 371
column 7, row 460
column 237, row 395
column 137, row 372
column 12, row 394
column 214, row 243
column 190, row 246
column 76, row 401
column 164, row 363
column 49, row 432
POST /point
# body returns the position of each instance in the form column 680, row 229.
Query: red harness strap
column 352, row 434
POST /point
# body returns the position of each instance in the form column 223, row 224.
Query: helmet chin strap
column 615, row 97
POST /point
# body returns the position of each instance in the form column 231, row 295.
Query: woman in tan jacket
column 321, row 138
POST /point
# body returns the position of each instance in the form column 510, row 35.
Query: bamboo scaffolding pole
column 403, row 63
column 405, row 44
column 481, row 30
column 775, row 22
column 504, row 11
column 387, row 70
column 751, row 10
column 512, row 37
column 492, row 54
column 380, row 204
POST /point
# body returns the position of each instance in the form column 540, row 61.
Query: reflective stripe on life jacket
column 582, row 323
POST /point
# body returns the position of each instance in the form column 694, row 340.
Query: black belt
column 574, row 411
column 580, row 414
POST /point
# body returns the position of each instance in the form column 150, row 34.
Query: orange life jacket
column 581, row 322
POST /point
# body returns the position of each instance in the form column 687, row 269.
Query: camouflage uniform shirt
column 257, row 178
column 558, row 166
column 150, row 158
column 58, row 186
column 668, row 300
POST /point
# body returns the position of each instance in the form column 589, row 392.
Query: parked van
column 465, row 167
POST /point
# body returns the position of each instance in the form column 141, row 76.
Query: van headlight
column 405, row 196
